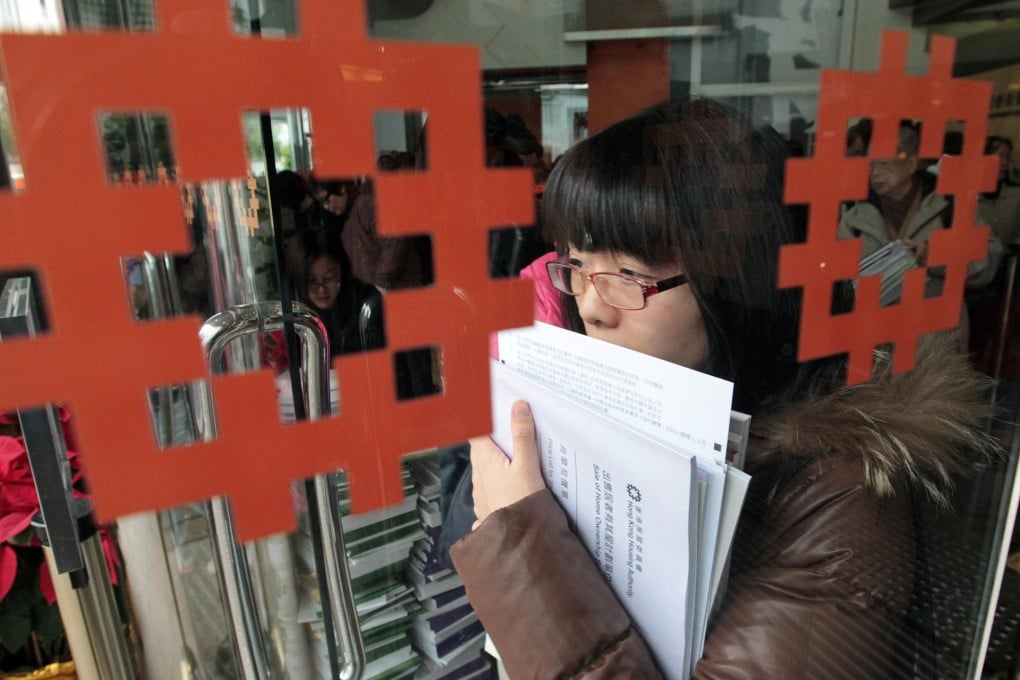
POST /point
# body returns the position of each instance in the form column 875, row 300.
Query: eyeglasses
column 332, row 285
column 623, row 291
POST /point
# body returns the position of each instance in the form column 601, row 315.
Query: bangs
column 607, row 194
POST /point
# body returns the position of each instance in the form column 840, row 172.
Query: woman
column 320, row 276
column 689, row 197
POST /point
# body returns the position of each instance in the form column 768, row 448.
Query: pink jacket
column 548, row 303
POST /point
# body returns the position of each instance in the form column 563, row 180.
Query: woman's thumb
column 522, row 429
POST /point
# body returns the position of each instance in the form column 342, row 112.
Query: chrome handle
column 216, row 335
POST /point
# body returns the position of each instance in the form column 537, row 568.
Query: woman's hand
column 499, row 481
column 920, row 249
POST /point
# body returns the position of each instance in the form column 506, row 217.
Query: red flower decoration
column 274, row 350
column 18, row 499
column 19, row 502
column 111, row 553
column 67, row 426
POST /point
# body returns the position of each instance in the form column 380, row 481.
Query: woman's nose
column 593, row 310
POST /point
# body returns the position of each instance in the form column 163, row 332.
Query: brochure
column 654, row 409
column 637, row 521
column 891, row 262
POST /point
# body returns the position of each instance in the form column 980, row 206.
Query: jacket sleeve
column 548, row 300
column 827, row 589
column 543, row 600
column 845, row 231
column 394, row 253
column 359, row 238
column 982, row 272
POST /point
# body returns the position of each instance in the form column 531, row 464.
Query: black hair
column 862, row 130
column 338, row 186
column 909, row 139
column 994, row 140
column 290, row 189
column 698, row 185
column 509, row 137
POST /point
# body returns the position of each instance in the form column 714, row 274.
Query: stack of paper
column 378, row 546
column 446, row 630
column 385, row 635
column 469, row 664
column 634, row 448
column 891, row 262
column 408, row 605
column 379, row 543
column 378, row 551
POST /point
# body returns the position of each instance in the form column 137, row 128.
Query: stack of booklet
column 635, row 450
column 378, row 546
column 378, row 551
column 413, row 614
column 891, row 262
column 446, row 630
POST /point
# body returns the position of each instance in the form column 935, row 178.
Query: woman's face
column 335, row 203
column 323, row 285
column 670, row 325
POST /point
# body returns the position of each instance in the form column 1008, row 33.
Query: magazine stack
column 378, row 546
column 446, row 630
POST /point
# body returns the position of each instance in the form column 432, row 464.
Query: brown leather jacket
column 824, row 558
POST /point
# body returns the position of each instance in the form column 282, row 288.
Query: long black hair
column 342, row 320
column 694, row 184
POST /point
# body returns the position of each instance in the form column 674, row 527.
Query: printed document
column 635, row 520
column 686, row 411
column 671, row 403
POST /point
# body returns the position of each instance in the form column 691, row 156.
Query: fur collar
column 919, row 429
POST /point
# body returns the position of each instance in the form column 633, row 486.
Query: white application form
column 630, row 500
column 687, row 410
column 677, row 405
column 683, row 408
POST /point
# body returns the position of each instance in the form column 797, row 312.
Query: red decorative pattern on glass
column 823, row 181
column 73, row 226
